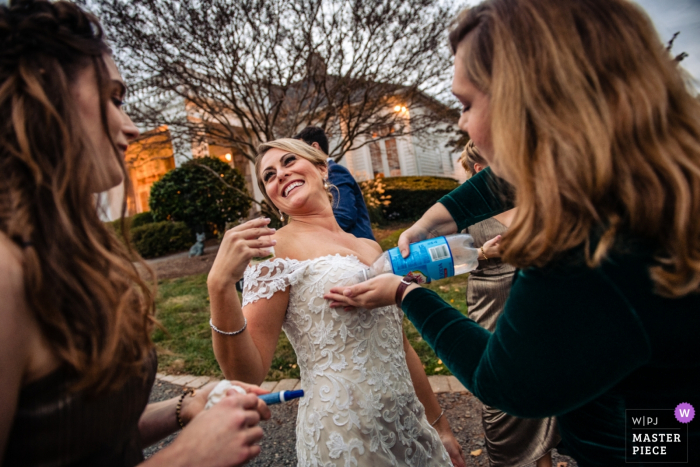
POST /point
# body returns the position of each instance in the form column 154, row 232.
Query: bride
column 367, row 400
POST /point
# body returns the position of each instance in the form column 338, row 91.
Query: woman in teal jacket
column 580, row 108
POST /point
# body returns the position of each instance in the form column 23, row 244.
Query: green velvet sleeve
column 482, row 196
column 572, row 327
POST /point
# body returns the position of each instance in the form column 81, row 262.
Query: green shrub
column 160, row 238
column 140, row 219
column 373, row 192
column 133, row 222
column 194, row 195
column 412, row 196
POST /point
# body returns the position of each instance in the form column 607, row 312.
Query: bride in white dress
column 367, row 400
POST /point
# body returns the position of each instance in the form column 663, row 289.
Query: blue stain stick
column 282, row 396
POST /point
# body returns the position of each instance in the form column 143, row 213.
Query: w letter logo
column 684, row 412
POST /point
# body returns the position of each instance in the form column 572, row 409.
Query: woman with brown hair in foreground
column 579, row 106
column 75, row 317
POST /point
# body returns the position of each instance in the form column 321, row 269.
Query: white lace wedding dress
column 359, row 406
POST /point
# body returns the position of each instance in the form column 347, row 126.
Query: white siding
column 407, row 156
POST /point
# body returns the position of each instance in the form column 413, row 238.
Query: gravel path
column 278, row 446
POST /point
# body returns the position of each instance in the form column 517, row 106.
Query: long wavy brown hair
column 594, row 124
column 81, row 285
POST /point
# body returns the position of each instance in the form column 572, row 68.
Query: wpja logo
column 658, row 435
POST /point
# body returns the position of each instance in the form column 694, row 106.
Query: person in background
column 509, row 440
column 579, row 106
column 349, row 206
column 76, row 358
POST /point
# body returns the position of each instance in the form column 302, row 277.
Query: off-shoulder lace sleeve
column 263, row 280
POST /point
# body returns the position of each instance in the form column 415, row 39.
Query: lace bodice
column 359, row 408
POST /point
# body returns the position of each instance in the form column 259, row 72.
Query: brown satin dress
column 53, row 427
column 510, row 441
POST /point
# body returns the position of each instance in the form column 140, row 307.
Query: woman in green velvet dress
column 580, row 108
column 510, row 441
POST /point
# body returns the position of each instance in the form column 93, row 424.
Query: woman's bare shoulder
column 286, row 239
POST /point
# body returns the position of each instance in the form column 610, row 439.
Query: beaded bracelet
column 486, row 258
column 179, row 405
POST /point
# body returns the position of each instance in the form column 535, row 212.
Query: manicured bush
column 140, row 219
column 412, row 196
column 160, row 238
column 134, row 221
column 194, row 195
column 373, row 192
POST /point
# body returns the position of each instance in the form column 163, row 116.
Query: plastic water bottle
column 432, row 259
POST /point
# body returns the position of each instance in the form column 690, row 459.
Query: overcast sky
column 670, row 16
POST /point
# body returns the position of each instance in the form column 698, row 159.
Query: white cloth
column 219, row 392
column 360, row 407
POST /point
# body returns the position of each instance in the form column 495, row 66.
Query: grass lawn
column 185, row 345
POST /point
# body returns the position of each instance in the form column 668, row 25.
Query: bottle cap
column 289, row 395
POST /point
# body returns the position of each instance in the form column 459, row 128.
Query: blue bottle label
column 429, row 259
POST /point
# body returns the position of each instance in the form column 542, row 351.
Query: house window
column 376, row 154
column 392, row 158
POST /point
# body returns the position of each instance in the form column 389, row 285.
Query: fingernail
column 272, row 229
column 274, row 242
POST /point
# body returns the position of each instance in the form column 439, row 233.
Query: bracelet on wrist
column 178, row 409
column 405, row 282
column 439, row 417
column 232, row 333
column 483, row 253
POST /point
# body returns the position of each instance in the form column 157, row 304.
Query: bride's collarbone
column 312, row 246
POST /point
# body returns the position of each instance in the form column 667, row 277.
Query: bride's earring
column 325, row 184
column 281, row 217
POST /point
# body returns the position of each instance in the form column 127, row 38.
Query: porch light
column 397, row 108
column 228, row 156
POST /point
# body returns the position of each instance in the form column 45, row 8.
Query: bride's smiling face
column 293, row 183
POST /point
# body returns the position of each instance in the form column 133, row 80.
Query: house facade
column 381, row 154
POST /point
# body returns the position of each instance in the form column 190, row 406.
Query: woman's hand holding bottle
column 436, row 222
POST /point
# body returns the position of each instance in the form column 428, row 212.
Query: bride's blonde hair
column 593, row 124
column 295, row 146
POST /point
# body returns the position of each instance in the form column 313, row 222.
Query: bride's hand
column 238, row 246
column 453, row 448
column 374, row 293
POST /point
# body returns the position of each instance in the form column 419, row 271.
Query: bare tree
column 250, row 71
